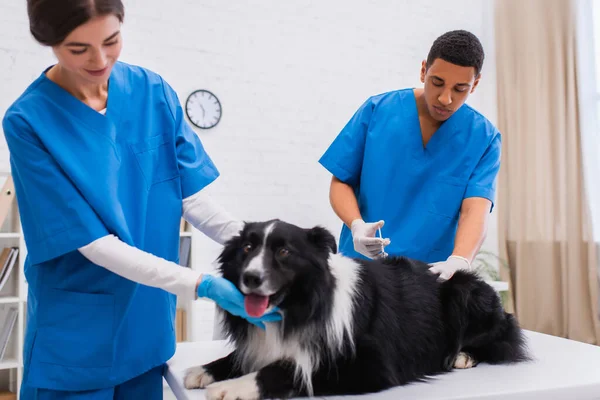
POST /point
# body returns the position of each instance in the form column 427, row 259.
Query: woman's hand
column 227, row 296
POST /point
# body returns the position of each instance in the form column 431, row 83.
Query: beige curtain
column 545, row 234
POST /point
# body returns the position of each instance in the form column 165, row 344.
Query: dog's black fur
column 404, row 324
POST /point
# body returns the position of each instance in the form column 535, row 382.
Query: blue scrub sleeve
column 344, row 157
column 196, row 168
column 482, row 182
column 55, row 217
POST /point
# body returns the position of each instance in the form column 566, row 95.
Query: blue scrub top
column 416, row 190
column 80, row 175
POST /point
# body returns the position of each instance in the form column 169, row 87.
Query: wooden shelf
column 8, row 299
column 9, row 364
column 14, row 292
column 499, row 286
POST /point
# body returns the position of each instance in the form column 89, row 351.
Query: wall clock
column 203, row 109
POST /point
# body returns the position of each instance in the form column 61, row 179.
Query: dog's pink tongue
column 256, row 305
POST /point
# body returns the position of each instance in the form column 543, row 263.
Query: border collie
column 350, row 326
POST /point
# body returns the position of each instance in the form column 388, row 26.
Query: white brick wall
column 289, row 76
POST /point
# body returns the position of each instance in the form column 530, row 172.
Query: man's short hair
column 458, row 47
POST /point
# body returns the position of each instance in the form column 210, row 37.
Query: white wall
column 289, row 76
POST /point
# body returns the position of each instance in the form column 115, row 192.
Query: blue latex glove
column 269, row 317
column 230, row 299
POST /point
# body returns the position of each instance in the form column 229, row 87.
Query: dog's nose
column 252, row 280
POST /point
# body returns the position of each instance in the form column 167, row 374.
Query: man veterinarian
column 422, row 161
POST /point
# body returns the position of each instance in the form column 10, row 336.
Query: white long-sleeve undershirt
column 202, row 212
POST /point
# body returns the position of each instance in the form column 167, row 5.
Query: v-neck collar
column 439, row 138
column 83, row 112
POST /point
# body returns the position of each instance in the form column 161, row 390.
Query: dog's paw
column 244, row 388
column 197, row 378
column 464, row 361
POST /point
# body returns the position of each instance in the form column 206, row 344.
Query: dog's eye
column 247, row 248
column 283, row 252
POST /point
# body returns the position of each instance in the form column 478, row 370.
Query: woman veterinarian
column 105, row 166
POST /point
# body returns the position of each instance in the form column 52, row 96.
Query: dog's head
column 275, row 263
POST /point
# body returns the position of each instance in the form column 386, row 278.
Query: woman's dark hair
column 51, row 21
column 458, row 47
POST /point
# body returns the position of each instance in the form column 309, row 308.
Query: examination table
column 562, row 369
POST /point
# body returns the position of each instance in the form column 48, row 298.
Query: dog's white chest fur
column 265, row 347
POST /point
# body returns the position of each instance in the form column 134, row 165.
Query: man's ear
column 323, row 239
column 476, row 82
column 423, row 70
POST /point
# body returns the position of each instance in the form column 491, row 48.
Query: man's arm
column 343, row 201
column 472, row 227
column 344, row 204
column 474, row 212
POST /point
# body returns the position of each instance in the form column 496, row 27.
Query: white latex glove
column 365, row 242
column 445, row 269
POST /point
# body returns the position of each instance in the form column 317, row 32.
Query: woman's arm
column 142, row 267
column 145, row 268
column 210, row 218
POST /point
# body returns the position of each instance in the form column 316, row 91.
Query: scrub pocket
column 157, row 159
column 446, row 195
column 75, row 329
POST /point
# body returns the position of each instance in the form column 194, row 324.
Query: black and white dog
column 349, row 326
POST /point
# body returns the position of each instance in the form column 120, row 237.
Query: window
column 596, row 40
column 588, row 76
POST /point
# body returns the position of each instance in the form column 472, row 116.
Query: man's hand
column 445, row 269
column 470, row 234
column 343, row 201
column 365, row 242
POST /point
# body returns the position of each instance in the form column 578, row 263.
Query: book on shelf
column 184, row 226
column 185, row 245
column 180, row 325
column 8, row 316
column 8, row 259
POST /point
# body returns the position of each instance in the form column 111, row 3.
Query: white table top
column 499, row 286
column 562, row 369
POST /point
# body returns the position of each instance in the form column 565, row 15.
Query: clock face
column 203, row 109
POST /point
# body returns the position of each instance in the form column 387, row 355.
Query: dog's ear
column 323, row 239
column 231, row 247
